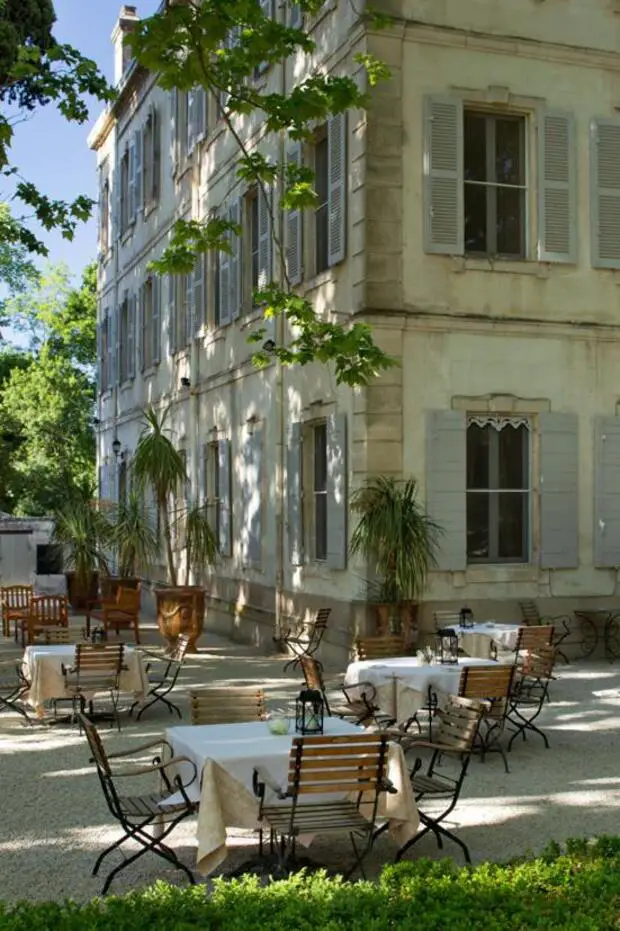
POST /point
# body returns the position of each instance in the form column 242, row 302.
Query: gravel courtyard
column 55, row 822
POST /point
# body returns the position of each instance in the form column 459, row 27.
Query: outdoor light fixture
column 185, row 382
column 309, row 712
column 116, row 447
column 269, row 345
column 448, row 646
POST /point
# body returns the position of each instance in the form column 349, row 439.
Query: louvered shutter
column 252, row 497
column 234, row 215
column 156, row 318
column 265, row 236
column 446, row 472
column 295, row 15
column 191, row 120
column 188, row 303
column 202, row 475
column 224, row 496
column 294, row 489
column 557, row 188
column 111, row 373
column 337, row 187
column 100, row 359
column 200, row 113
column 141, row 327
column 115, row 347
column 132, row 202
column 199, row 293
column 605, row 195
column 171, row 314
column 294, row 226
column 138, row 188
column 443, row 176
column 223, row 293
column 559, row 488
column 174, row 122
column 116, row 202
column 131, row 336
column 156, row 157
column 337, row 505
column 607, row 492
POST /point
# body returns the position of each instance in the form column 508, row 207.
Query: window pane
column 320, row 458
column 512, row 531
column 320, row 526
column 510, row 221
column 509, row 152
column 477, row 526
column 476, row 218
column 513, row 458
column 475, row 153
column 478, row 456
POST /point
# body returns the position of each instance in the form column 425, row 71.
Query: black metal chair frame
column 134, row 824
column 83, row 684
column 363, row 692
column 11, row 692
column 493, row 720
column 163, row 684
column 589, row 633
column 306, row 639
column 529, row 691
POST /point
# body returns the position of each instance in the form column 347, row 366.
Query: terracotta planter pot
column 79, row 594
column 181, row 610
column 110, row 584
column 398, row 618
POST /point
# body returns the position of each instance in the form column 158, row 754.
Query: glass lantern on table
column 447, row 646
column 309, row 712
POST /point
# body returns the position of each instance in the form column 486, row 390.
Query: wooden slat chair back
column 123, row 612
column 56, row 635
column 446, row 619
column 15, row 603
column 97, row 668
column 128, row 599
column 136, row 813
column 457, row 724
column 492, row 684
column 531, row 638
column 530, row 691
column 46, row 611
column 529, row 613
column 226, row 706
column 352, row 767
column 564, row 627
column 359, row 705
column 380, row 647
column 539, row 663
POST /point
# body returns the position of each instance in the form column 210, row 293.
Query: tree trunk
column 172, row 572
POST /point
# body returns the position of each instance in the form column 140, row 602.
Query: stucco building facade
column 472, row 216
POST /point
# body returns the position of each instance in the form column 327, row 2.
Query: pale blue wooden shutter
column 446, row 475
column 605, row 193
column 131, row 336
column 171, row 313
column 133, row 203
column 607, row 492
column 224, row 261
column 188, row 302
column 294, row 226
column 252, row 497
column 294, row 488
column 199, row 293
column 557, row 195
column 444, row 224
column 141, row 325
column 224, row 496
column 156, row 282
column 559, row 488
column 156, row 158
column 115, row 347
column 110, row 372
column 100, row 359
column 295, row 15
column 174, row 122
column 138, row 172
column 337, row 504
column 191, row 121
column 236, row 260
column 337, row 188
column 265, row 235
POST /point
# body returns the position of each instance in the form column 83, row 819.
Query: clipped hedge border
column 577, row 889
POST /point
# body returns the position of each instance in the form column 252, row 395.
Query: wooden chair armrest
column 261, row 777
column 133, row 750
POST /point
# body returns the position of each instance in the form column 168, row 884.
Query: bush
column 576, row 890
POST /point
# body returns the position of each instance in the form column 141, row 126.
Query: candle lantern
column 466, row 617
column 448, row 645
column 309, row 712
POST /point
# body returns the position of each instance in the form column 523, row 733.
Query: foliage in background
column 47, row 395
column 35, row 71
column 85, row 534
column 578, row 890
column 221, row 45
column 396, row 536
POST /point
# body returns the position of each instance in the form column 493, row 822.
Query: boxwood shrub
column 576, row 889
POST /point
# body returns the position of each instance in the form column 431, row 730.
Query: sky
column 52, row 153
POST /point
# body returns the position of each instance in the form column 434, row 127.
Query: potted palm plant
column 399, row 541
column 159, row 468
column 133, row 541
column 84, row 534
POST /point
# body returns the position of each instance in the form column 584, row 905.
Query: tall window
column 495, row 189
column 321, row 215
column 125, row 192
column 125, row 340
column 104, row 362
column 320, row 491
column 253, row 239
column 212, row 486
column 498, row 490
column 148, row 356
column 104, row 218
column 151, row 155
column 183, row 287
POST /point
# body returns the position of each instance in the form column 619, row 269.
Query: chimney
column 127, row 19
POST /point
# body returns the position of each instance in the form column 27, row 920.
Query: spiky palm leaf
column 200, row 542
column 134, row 538
column 395, row 535
column 85, row 534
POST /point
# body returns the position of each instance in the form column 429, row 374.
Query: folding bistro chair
column 305, row 639
column 97, row 669
column 587, row 638
column 359, row 705
column 13, row 685
column 353, row 766
column 530, row 691
column 119, row 613
column 163, row 680
column 491, row 684
column 15, row 602
column 45, row 611
column 226, row 706
column 137, row 813
column 454, row 738
column 380, row 647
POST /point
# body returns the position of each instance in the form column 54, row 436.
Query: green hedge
column 576, row 889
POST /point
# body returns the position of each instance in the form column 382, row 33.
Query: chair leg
column 149, row 843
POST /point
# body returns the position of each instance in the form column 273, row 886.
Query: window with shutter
column 294, row 492
column 446, row 466
column 267, row 8
column 140, row 321
column 131, row 200
column 337, row 174
column 190, row 128
column 156, row 286
column 265, row 238
column 336, row 485
column 294, row 226
column 188, row 283
column 222, row 303
column 559, row 491
column 156, row 158
column 251, row 496
column 200, row 114
column 171, row 313
column 174, row 128
column 605, row 195
column 199, row 293
column 224, row 495
column 557, row 189
column 235, row 264
column 138, row 191
column 443, row 176
column 147, row 335
column 124, row 192
column 321, row 210
column 607, row 492
column 100, row 358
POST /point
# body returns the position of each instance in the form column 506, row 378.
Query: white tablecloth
column 476, row 640
column 226, row 754
column 402, row 682
column 43, row 668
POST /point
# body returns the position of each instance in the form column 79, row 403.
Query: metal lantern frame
column 466, row 617
column 309, row 712
column 448, row 646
